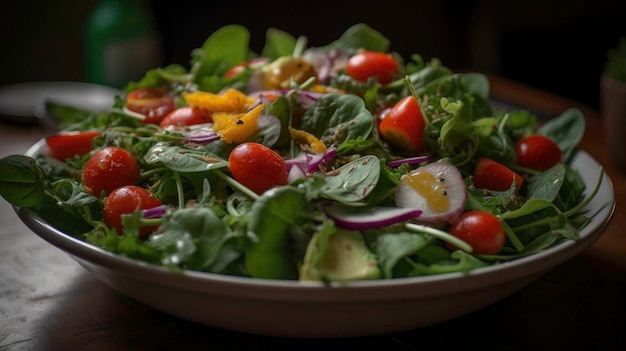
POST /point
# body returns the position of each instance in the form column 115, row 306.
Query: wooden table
column 49, row 302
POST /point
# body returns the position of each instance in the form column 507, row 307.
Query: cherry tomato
column 186, row 116
column 108, row 169
column 372, row 64
column 483, row 231
column 257, row 167
column 153, row 103
column 537, row 152
column 126, row 200
column 68, row 144
column 403, row 126
column 492, row 175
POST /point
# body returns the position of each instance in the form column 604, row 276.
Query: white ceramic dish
column 294, row 309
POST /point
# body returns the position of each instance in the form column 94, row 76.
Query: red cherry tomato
column 257, row 167
column 108, row 169
column 403, row 126
column 372, row 64
column 153, row 103
column 537, row 152
column 68, row 144
column 483, row 231
column 126, row 200
column 493, row 175
column 186, row 116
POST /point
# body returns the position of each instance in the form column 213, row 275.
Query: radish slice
column 438, row 189
column 361, row 218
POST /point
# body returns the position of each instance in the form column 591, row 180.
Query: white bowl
column 311, row 310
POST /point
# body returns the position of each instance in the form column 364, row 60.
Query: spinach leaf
column 22, row 181
column 354, row 181
column 360, row 36
column 278, row 44
column 182, row 159
column 192, row 237
column 566, row 129
column 337, row 118
column 223, row 49
column 272, row 217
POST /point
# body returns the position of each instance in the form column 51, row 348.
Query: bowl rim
column 294, row 290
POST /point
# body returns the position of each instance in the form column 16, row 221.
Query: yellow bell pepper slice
column 304, row 137
column 231, row 101
column 237, row 127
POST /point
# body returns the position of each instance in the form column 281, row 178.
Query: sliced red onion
column 295, row 172
column 314, row 161
column 155, row 212
column 299, row 161
column 411, row 160
column 326, row 62
column 201, row 136
column 304, row 98
column 310, row 163
column 362, row 218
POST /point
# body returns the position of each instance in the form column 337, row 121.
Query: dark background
column 558, row 46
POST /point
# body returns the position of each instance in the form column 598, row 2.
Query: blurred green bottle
column 122, row 42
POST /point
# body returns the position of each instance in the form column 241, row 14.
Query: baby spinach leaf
column 360, row 36
column 391, row 248
column 193, row 237
column 567, row 130
column 272, row 216
column 278, row 44
column 22, row 181
column 354, row 181
column 338, row 117
column 182, row 159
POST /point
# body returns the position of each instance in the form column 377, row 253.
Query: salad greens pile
column 210, row 222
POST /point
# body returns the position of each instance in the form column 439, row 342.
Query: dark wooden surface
column 49, row 302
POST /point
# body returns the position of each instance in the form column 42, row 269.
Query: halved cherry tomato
column 257, row 167
column 403, row 126
column 186, row 116
column 108, row 169
column 126, row 200
column 372, row 64
column 66, row 145
column 153, row 103
column 537, row 152
column 492, row 175
column 483, row 231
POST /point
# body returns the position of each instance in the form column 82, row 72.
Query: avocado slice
column 340, row 256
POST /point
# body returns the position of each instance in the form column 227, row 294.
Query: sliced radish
column 438, row 189
column 361, row 218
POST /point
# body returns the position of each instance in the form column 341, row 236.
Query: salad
column 333, row 163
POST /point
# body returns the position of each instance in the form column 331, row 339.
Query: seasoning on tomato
column 257, row 167
column 186, row 116
column 537, row 152
column 126, row 200
column 482, row 230
column 493, row 175
column 108, row 169
column 153, row 103
column 66, row 145
column 403, row 125
column 372, row 64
